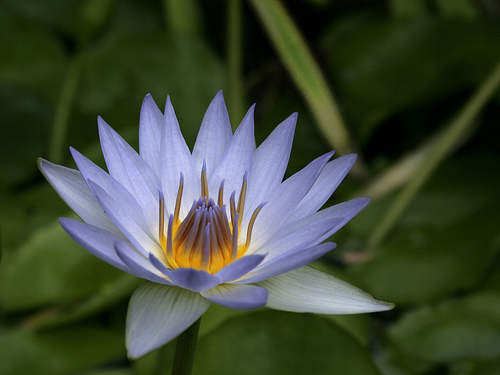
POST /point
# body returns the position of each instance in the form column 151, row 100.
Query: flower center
column 205, row 239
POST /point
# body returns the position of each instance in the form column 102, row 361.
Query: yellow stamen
column 205, row 239
column 204, row 183
column 177, row 209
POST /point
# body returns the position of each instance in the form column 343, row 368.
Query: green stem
column 443, row 146
column 185, row 349
column 234, row 61
column 63, row 109
column 307, row 75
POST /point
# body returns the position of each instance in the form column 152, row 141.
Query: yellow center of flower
column 205, row 239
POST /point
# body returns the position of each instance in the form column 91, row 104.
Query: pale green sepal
column 309, row 290
column 157, row 314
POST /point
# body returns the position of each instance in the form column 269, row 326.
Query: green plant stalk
column 449, row 139
column 63, row 109
column 234, row 61
column 306, row 74
column 185, row 350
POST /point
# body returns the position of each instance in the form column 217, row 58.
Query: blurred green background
column 410, row 85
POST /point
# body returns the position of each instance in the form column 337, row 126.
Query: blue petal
column 311, row 230
column 239, row 268
column 214, row 135
column 150, row 125
column 159, row 313
column 238, row 297
column 73, row 189
column 329, row 179
column 90, row 171
column 286, row 262
column 309, row 290
column 284, row 199
column 97, row 241
column 130, row 170
column 128, row 221
column 187, row 278
column 139, row 264
column 269, row 163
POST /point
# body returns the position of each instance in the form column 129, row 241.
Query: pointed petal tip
column 41, row 164
column 384, row 306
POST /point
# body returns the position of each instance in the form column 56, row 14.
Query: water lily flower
column 215, row 225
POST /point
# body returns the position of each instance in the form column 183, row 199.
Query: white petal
column 309, row 290
column 150, row 125
column 214, row 135
column 269, row 163
column 73, row 189
column 176, row 159
column 236, row 161
column 159, row 313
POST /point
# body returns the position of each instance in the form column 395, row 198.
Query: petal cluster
column 217, row 224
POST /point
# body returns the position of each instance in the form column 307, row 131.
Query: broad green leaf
column 271, row 342
column 122, row 70
column 385, row 67
column 25, row 120
column 463, row 9
column 446, row 241
column 50, row 267
column 407, row 8
column 62, row 351
column 31, row 59
column 487, row 367
column 465, row 328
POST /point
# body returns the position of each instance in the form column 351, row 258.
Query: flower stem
column 185, row 349
column 449, row 139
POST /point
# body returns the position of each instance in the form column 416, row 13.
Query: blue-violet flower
column 215, row 225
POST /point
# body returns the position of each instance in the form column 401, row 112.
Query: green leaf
column 487, row 368
column 25, row 122
column 271, row 342
column 408, row 8
column 61, row 351
column 384, row 67
column 58, row 14
column 31, row 58
column 461, row 329
column 464, row 9
column 445, row 242
column 123, row 69
column 50, row 267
